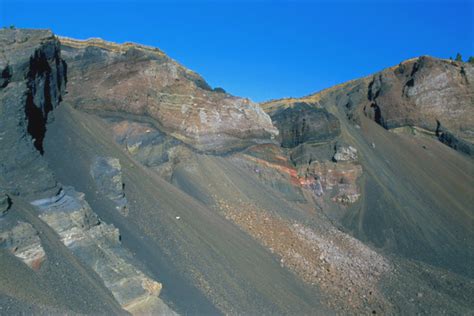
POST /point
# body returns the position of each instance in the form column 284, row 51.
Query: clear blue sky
column 266, row 49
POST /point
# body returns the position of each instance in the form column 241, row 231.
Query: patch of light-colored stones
column 97, row 244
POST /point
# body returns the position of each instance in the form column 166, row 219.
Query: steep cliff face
column 33, row 203
column 33, row 79
column 432, row 94
column 143, row 81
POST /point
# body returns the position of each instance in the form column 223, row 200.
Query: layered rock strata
column 143, row 81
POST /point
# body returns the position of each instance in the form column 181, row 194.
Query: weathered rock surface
column 22, row 241
column 434, row 94
column 338, row 180
column 143, row 81
column 344, row 152
column 287, row 197
column 33, row 78
column 423, row 91
column 4, row 203
column 98, row 245
column 107, row 174
column 302, row 122
column 144, row 142
column 272, row 167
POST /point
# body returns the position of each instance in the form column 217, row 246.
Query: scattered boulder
column 107, row 174
column 423, row 92
column 143, row 141
column 345, row 153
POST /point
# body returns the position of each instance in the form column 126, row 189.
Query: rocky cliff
column 433, row 95
column 143, row 81
column 33, row 79
column 422, row 105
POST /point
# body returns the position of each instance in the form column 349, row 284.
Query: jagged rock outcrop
column 107, row 174
column 97, row 245
column 144, row 142
column 4, row 203
column 143, row 81
column 432, row 100
column 302, row 122
column 203, row 232
column 23, row 242
column 344, row 152
column 434, row 94
column 33, row 79
column 337, row 180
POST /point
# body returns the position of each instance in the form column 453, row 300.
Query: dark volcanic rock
column 4, row 203
column 433, row 94
column 307, row 152
column 144, row 142
column 303, row 122
column 143, row 81
column 107, row 174
column 33, row 78
column 408, row 172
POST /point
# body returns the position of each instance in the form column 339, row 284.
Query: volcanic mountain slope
column 159, row 195
column 416, row 194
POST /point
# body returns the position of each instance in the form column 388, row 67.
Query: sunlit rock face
column 433, row 94
column 302, row 122
column 107, row 174
column 143, row 81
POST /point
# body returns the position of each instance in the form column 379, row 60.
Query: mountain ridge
column 146, row 202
